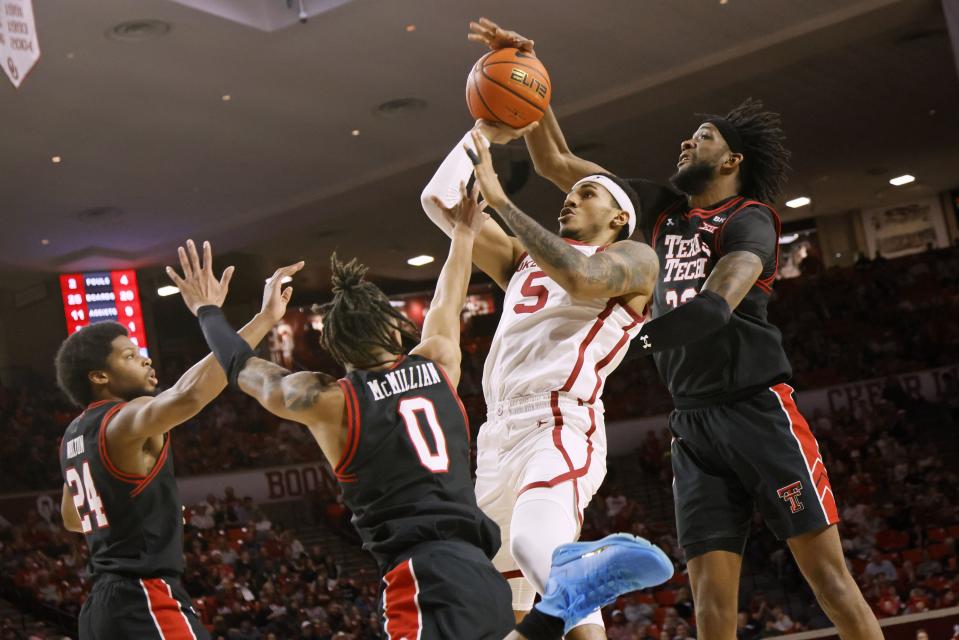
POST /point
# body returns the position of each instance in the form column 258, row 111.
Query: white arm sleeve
column 445, row 184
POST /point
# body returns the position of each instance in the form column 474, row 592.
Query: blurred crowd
column 891, row 465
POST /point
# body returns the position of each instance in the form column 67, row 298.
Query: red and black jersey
column 744, row 356
column 405, row 471
column 133, row 524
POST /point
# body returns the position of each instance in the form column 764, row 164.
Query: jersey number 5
column 438, row 462
column 85, row 492
column 530, row 290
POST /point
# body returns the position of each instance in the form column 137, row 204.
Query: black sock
column 540, row 626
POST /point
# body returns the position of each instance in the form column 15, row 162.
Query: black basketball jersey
column 405, row 471
column 133, row 524
column 744, row 356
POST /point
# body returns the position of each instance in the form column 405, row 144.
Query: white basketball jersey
column 549, row 341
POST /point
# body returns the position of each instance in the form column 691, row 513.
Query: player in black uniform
column 739, row 439
column 398, row 438
column 119, row 489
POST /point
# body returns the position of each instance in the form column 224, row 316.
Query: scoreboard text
column 99, row 296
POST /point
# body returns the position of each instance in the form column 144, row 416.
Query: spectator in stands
column 880, row 566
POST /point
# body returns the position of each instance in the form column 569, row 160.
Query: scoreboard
column 98, row 296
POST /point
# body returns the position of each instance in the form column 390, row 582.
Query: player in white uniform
column 573, row 302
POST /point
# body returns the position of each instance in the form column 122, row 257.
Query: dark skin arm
column 734, row 275
column 627, row 267
column 310, row 398
column 68, row 511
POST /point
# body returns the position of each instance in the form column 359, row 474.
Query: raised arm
column 441, row 329
column 310, row 398
column 551, row 156
column 147, row 417
column 494, row 252
column 627, row 267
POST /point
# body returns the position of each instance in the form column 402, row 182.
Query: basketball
column 508, row 86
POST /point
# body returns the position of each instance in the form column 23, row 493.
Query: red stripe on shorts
column 401, row 607
column 810, row 452
column 165, row 610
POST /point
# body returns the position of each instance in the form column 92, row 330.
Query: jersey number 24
column 85, row 496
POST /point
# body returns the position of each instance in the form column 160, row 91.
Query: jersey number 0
column 438, row 461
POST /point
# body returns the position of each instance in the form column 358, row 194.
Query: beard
column 693, row 179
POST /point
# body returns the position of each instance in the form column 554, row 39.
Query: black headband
column 729, row 133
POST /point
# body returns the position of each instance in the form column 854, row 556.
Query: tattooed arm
column 303, row 397
column 627, row 267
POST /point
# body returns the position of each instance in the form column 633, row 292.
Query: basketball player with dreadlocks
column 398, row 438
column 739, row 440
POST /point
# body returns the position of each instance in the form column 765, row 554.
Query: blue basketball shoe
column 589, row 575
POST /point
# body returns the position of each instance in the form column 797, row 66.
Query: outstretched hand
column 486, row 178
column 466, row 215
column 198, row 286
column 275, row 295
column 495, row 37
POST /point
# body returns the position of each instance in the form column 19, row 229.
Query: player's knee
column 525, row 549
column 833, row 587
column 716, row 613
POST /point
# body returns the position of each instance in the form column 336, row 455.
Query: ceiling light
column 355, row 132
column 901, row 180
column 419, row 261
column 44, row 242
column 167, row 290
column 226, row 97
column 410, row 28
column 56, row 159
column 795, row 203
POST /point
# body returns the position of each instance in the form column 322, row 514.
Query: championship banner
column 19, row 47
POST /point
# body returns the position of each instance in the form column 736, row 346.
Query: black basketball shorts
column 122, row 608
column 443, row 590
column 756, row 452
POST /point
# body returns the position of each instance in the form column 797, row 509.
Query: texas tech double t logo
column 790, row 493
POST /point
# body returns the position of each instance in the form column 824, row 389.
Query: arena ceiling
column 215, row 129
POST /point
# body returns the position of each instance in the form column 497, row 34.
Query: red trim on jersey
column 157, row 467
column 401, row 607
column 519, row 261
column 705, row 213
column 632, row 312
column 623, row 341
column 352, row 433
column 573, row 474
column 510, row 575
column 764, row 284
column 810, row 452
column 466, row 420
column 98, row 403
column 111, row 468
column 168, row 616
column 600, row 319
column 398, row 362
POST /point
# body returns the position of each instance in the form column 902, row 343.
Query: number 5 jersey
column 548, row 340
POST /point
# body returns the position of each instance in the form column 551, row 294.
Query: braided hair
column 765, row 157
column 361, row 318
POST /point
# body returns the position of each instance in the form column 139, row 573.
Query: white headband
column 618, row 195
